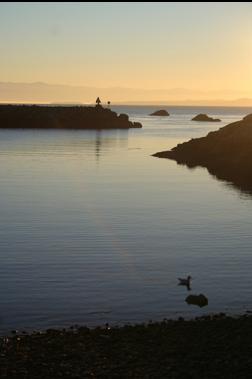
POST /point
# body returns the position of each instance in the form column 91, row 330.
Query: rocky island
column 226, row 153
column 205, row 117
column 63, row 117
column 161, row 112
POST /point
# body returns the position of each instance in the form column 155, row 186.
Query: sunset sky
column 196, row 46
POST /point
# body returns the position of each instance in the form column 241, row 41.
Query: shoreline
column 214, row 346
column 113, row 324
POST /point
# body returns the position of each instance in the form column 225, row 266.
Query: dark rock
column 161, row 112
column 204, row 117
column 60, row 117
column 124, row 117
column 137, row 125
column 200, row 300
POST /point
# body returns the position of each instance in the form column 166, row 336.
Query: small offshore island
column 226, row 153
column 161, row 112
column 205, row 118
column 63, row 117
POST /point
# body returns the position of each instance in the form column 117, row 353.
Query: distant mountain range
column 39, row 92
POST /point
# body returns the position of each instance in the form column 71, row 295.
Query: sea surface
column 93, row 229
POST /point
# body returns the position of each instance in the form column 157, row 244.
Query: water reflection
column 185, row 282
column 231, row 179
column 56, row 142
column 106, row 139
column 234, row 180
column 94, row 230
column 98, row 143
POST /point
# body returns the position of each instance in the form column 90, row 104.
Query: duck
column 185, row 281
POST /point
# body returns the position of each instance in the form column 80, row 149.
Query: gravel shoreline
column 207, row 347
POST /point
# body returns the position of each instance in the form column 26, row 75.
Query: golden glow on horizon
column 203, row 50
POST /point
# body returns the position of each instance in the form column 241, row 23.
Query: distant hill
column 39, row 92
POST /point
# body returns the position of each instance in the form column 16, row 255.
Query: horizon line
column 143, row 103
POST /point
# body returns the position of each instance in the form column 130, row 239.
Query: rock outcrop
column 205, row 117
column 226, row 153
column 65, row 117
column 199, row 300
column 161, row 112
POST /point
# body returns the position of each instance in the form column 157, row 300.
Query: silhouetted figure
column 108, row 104
column 98, row 102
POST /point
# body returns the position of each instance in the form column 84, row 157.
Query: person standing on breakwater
column 98, row 102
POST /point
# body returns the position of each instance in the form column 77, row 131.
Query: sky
column 195, row 46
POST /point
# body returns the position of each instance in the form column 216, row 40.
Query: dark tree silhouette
column 98, row 101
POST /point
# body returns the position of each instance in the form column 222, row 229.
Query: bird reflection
column 185, row 282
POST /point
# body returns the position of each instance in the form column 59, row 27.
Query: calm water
column 93, row 229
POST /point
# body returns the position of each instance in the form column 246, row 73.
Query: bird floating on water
column 185, row 281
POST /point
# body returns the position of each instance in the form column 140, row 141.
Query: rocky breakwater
column 226, row 153
column 65, row 117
